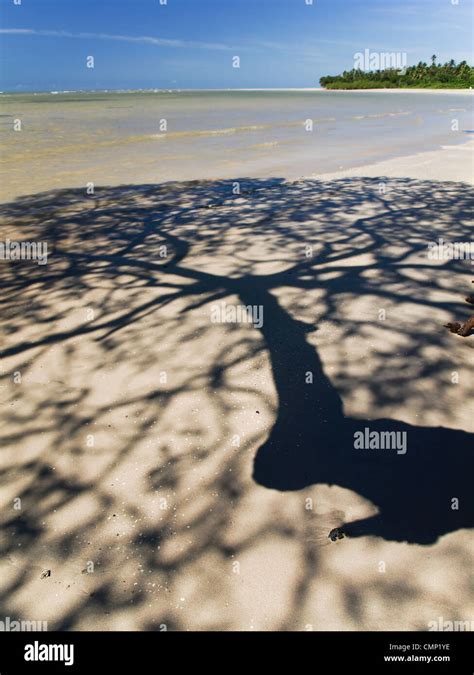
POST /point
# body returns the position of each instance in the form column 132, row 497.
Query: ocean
column 63, row 140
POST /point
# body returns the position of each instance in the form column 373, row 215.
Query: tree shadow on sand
column 413, row 480
column 322, row 260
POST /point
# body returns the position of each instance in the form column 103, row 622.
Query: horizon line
column 152, row 90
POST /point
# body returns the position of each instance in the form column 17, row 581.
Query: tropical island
column 449, row 75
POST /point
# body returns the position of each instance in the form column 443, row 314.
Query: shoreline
column 230, row 90
column 405, row 90
column 447, row 163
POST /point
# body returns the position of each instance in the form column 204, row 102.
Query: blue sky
column 191, row 43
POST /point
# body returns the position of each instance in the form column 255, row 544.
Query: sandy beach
column 449, row 163
column 179, row 473
column 402, row 90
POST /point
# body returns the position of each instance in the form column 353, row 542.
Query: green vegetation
column 450, row 75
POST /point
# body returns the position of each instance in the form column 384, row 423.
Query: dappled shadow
column 134, row 426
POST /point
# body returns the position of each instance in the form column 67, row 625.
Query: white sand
column 449, row 163
column 398, row 90
column 132, row 433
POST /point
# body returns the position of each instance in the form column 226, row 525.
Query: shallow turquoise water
column 69, row 140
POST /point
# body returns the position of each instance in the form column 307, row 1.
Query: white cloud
column 144, row 39
column 16, row 31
